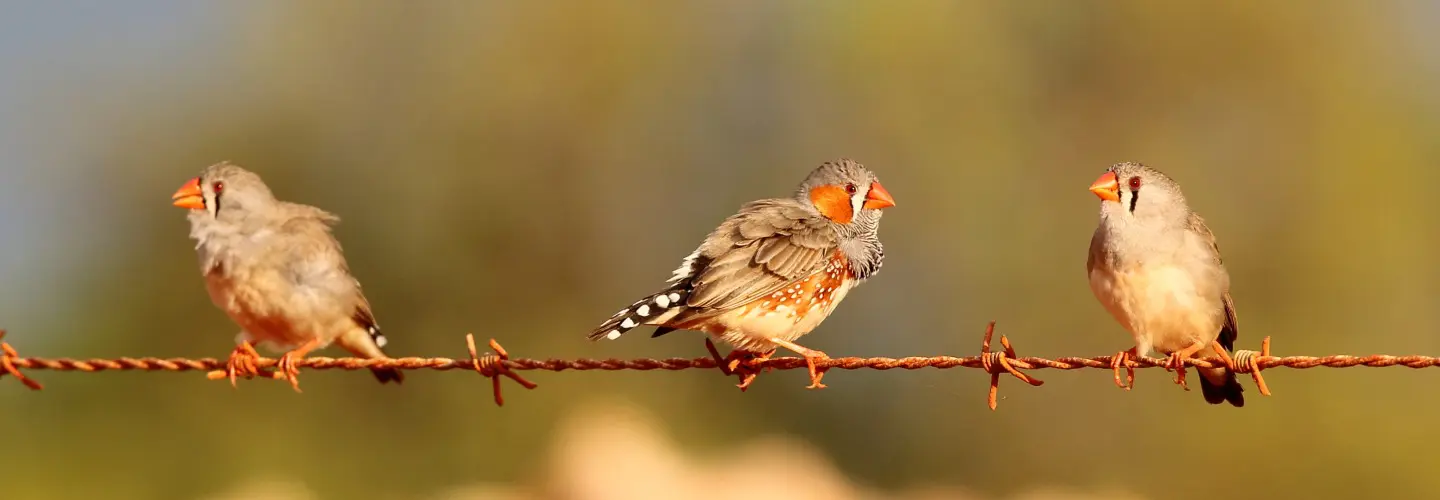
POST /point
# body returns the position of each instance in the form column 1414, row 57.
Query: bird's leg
column 1224, row 356
column 719, row 361
column 287, row 367
column 811, row 357
column 1177, row 362
column 1117, row 361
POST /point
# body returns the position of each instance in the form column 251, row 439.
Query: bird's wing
column 315, row 259
column 760, row 250
column 1231, row 330
column 1097, row 250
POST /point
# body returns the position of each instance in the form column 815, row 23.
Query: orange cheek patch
column 833, row 203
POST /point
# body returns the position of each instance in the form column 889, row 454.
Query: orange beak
column 1107, row 187
column 878, row 197
column 189, row 196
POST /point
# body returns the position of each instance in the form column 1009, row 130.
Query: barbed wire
column 499, row 363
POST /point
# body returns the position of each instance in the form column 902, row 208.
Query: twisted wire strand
column 498, row 364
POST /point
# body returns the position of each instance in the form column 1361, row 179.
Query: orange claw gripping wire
column 8, row 362
column 244, row 363
column 493, row 366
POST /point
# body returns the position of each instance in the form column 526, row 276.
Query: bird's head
column 846, row 193
column 1133, row 192
column 221, row 191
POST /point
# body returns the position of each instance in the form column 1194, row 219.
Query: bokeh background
column 522, row 169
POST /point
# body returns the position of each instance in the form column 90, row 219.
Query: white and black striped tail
column 644, row 311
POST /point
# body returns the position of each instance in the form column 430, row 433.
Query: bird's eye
column 220, row 186
column 1135, row 183
column 850, row 188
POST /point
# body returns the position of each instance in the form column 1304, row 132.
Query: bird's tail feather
column 1220, row 386
column 369, row 346
column 386, row 375
column 649, row 310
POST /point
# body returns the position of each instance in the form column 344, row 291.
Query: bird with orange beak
column 774, row 271
column 1156, row 268
column 277, row 271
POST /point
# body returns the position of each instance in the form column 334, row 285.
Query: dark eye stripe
column 215, row 190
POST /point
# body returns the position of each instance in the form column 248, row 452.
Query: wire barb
column 998, row 362
column 1247, row 361
column 8, row 364
column 492, row 366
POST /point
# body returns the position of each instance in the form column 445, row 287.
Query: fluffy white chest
column 1164, row 306
column 272, row 309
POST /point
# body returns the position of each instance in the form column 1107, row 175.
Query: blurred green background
column 521, row 170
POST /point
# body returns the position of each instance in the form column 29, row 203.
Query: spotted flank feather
column 648, row 310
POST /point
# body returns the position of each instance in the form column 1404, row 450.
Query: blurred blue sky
column 50, row 53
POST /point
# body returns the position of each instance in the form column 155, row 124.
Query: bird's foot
column 813, row 357
column 1177, row 363
column 288, row 370
column 288, row 367
column 243, row 362
column 738, row 363
column 1118, row 361
column 812, row 360
column 743, row 364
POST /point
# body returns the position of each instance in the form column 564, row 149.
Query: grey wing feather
column 758, row 251
column 301, row 212
column 1231, row 331
column 1097, row 250
column 1197, row 225
column 318, row 261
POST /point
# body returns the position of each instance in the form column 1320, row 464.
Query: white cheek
column 857, row 201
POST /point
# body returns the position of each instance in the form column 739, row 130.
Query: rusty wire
column 498, row 364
